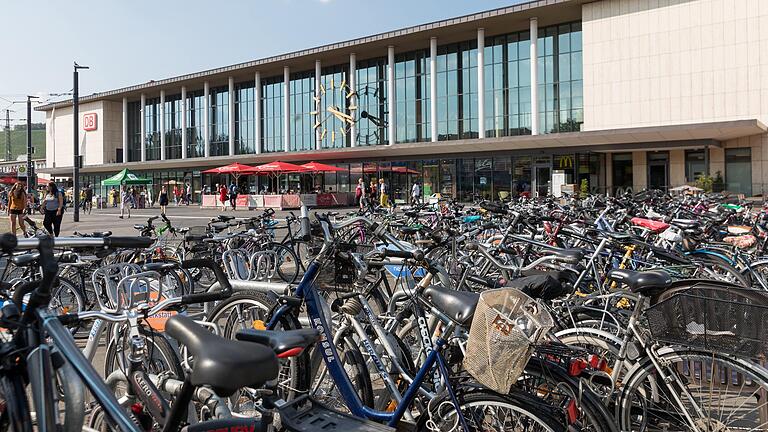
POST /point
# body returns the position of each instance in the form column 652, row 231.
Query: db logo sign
column 90, row 122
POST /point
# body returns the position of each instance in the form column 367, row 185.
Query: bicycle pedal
column 304, row 414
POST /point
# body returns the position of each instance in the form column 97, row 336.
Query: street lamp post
column 31, row 177
column 76, row 164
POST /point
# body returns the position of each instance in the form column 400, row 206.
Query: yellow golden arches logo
column 566, row 162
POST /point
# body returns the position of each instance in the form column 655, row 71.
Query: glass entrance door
column 542, row 180
column 658, row 170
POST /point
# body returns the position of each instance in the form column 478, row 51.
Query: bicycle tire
column 16, row 415
column 156, row 343
column 288, row 266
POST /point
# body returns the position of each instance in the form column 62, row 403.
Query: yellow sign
column 566, row 162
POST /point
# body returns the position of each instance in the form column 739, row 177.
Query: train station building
column 603, row 95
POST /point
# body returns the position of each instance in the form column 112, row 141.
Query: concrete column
column 143, row 128
column 639, row 171
column 207, row 119
column 125, row 129
column 609, row 174
column 257, row 110
column 183, row 122
column 287, row 108
column 352, row 80
column 534, row 77
column 162, row 125
column 481, row 82
column 391, row 94
column 433, row 88
column 320, row 109
column 231, row 116
column 676, row 168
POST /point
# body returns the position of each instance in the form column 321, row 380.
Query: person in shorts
column 17, row 205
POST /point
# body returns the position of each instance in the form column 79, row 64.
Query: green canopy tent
column 125, row 177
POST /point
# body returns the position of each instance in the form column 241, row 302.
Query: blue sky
column 129, row 42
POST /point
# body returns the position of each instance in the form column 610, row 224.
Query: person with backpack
column 360, row 193
column 53, row 209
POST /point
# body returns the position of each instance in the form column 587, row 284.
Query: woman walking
column 223, row 196
column 126, row 198
column 53, row 208
column 360, row 193
column 17, row 204
column 162, row 199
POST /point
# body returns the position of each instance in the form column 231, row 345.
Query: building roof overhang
column 679, row 136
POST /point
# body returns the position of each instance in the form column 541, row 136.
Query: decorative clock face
column 335, row 108
column 372, row 119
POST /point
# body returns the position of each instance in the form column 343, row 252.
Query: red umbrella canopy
column 321, row 167
column 234, row 168
column 278, row 167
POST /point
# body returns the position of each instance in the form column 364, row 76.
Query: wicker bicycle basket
column 506, row 325
column 713, row 317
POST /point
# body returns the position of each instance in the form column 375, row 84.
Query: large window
column 152, row 128
column 272, row 115
column 560, row 94
column 195, row 124
column 133, row 152
column 372, row 102
column 738, row 170
column 333, row 130
column 302, row 105
column 508, row 85
column 457, row 91
column 245, row 122
column 219, row 121
column 622, row 171
column 173, row 127
column 695, row 164
column 412, row 96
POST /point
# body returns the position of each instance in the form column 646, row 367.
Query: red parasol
column 278, row 167
column 320, row 167
column 234, row 168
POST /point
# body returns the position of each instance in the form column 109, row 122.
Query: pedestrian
column 17, row 205
column 188, row 193
column 114, row 196
column 223, row 196
column 53, row 209
column 4, row 199
column 126, row 200
column 233, row 196
column 415, row 193
column 360, row 193
column 149, row 196
column 176, row 194
column 88, row 198
column 383, row 194
column 142, row 197
column 162, row 199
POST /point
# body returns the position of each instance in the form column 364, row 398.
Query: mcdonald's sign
column 565, row 162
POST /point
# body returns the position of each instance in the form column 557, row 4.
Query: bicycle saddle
column 647, row 283
column 26, row 259
column 223, row 364
column 283, row 343
column 571, row 256
column 219, row 226
column 159, row 266
column 458, row 305
column 225, row 218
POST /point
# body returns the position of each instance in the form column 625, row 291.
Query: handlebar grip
column 415, row 254
column 204, row 297
column 209, row 264
column 8, row 242
column 128, row 242
column 24, row 289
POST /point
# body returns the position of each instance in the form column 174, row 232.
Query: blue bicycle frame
column 306, row 290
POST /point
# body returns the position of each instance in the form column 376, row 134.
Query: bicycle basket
column 714, row 318
column 341, row 271
column 506, row 325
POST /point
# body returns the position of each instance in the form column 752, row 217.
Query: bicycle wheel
column 161, row 357
column 14, row 417
column 324, row 388
column 287, row 263
column 487, row 411
column 718, row 269
column 67, row 297
column 248, row 310
column 717, row 392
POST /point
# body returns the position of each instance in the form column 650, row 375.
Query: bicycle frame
column 308, row 292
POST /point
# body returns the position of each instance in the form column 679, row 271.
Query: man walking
column 415, row 193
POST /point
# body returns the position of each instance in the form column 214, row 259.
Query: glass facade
column 152, row 129
column 219, row 121
column 695, row 164
column 457, row 91
column 738, row 170
column 195, row 124
column 507, row 79
column 245, row 121
column 372, row 102
column 507, row 102
column 302, row 94
column 173, row 127
column 560, row 93
column 133, row 152
column 272, row 115
column 412, row 96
